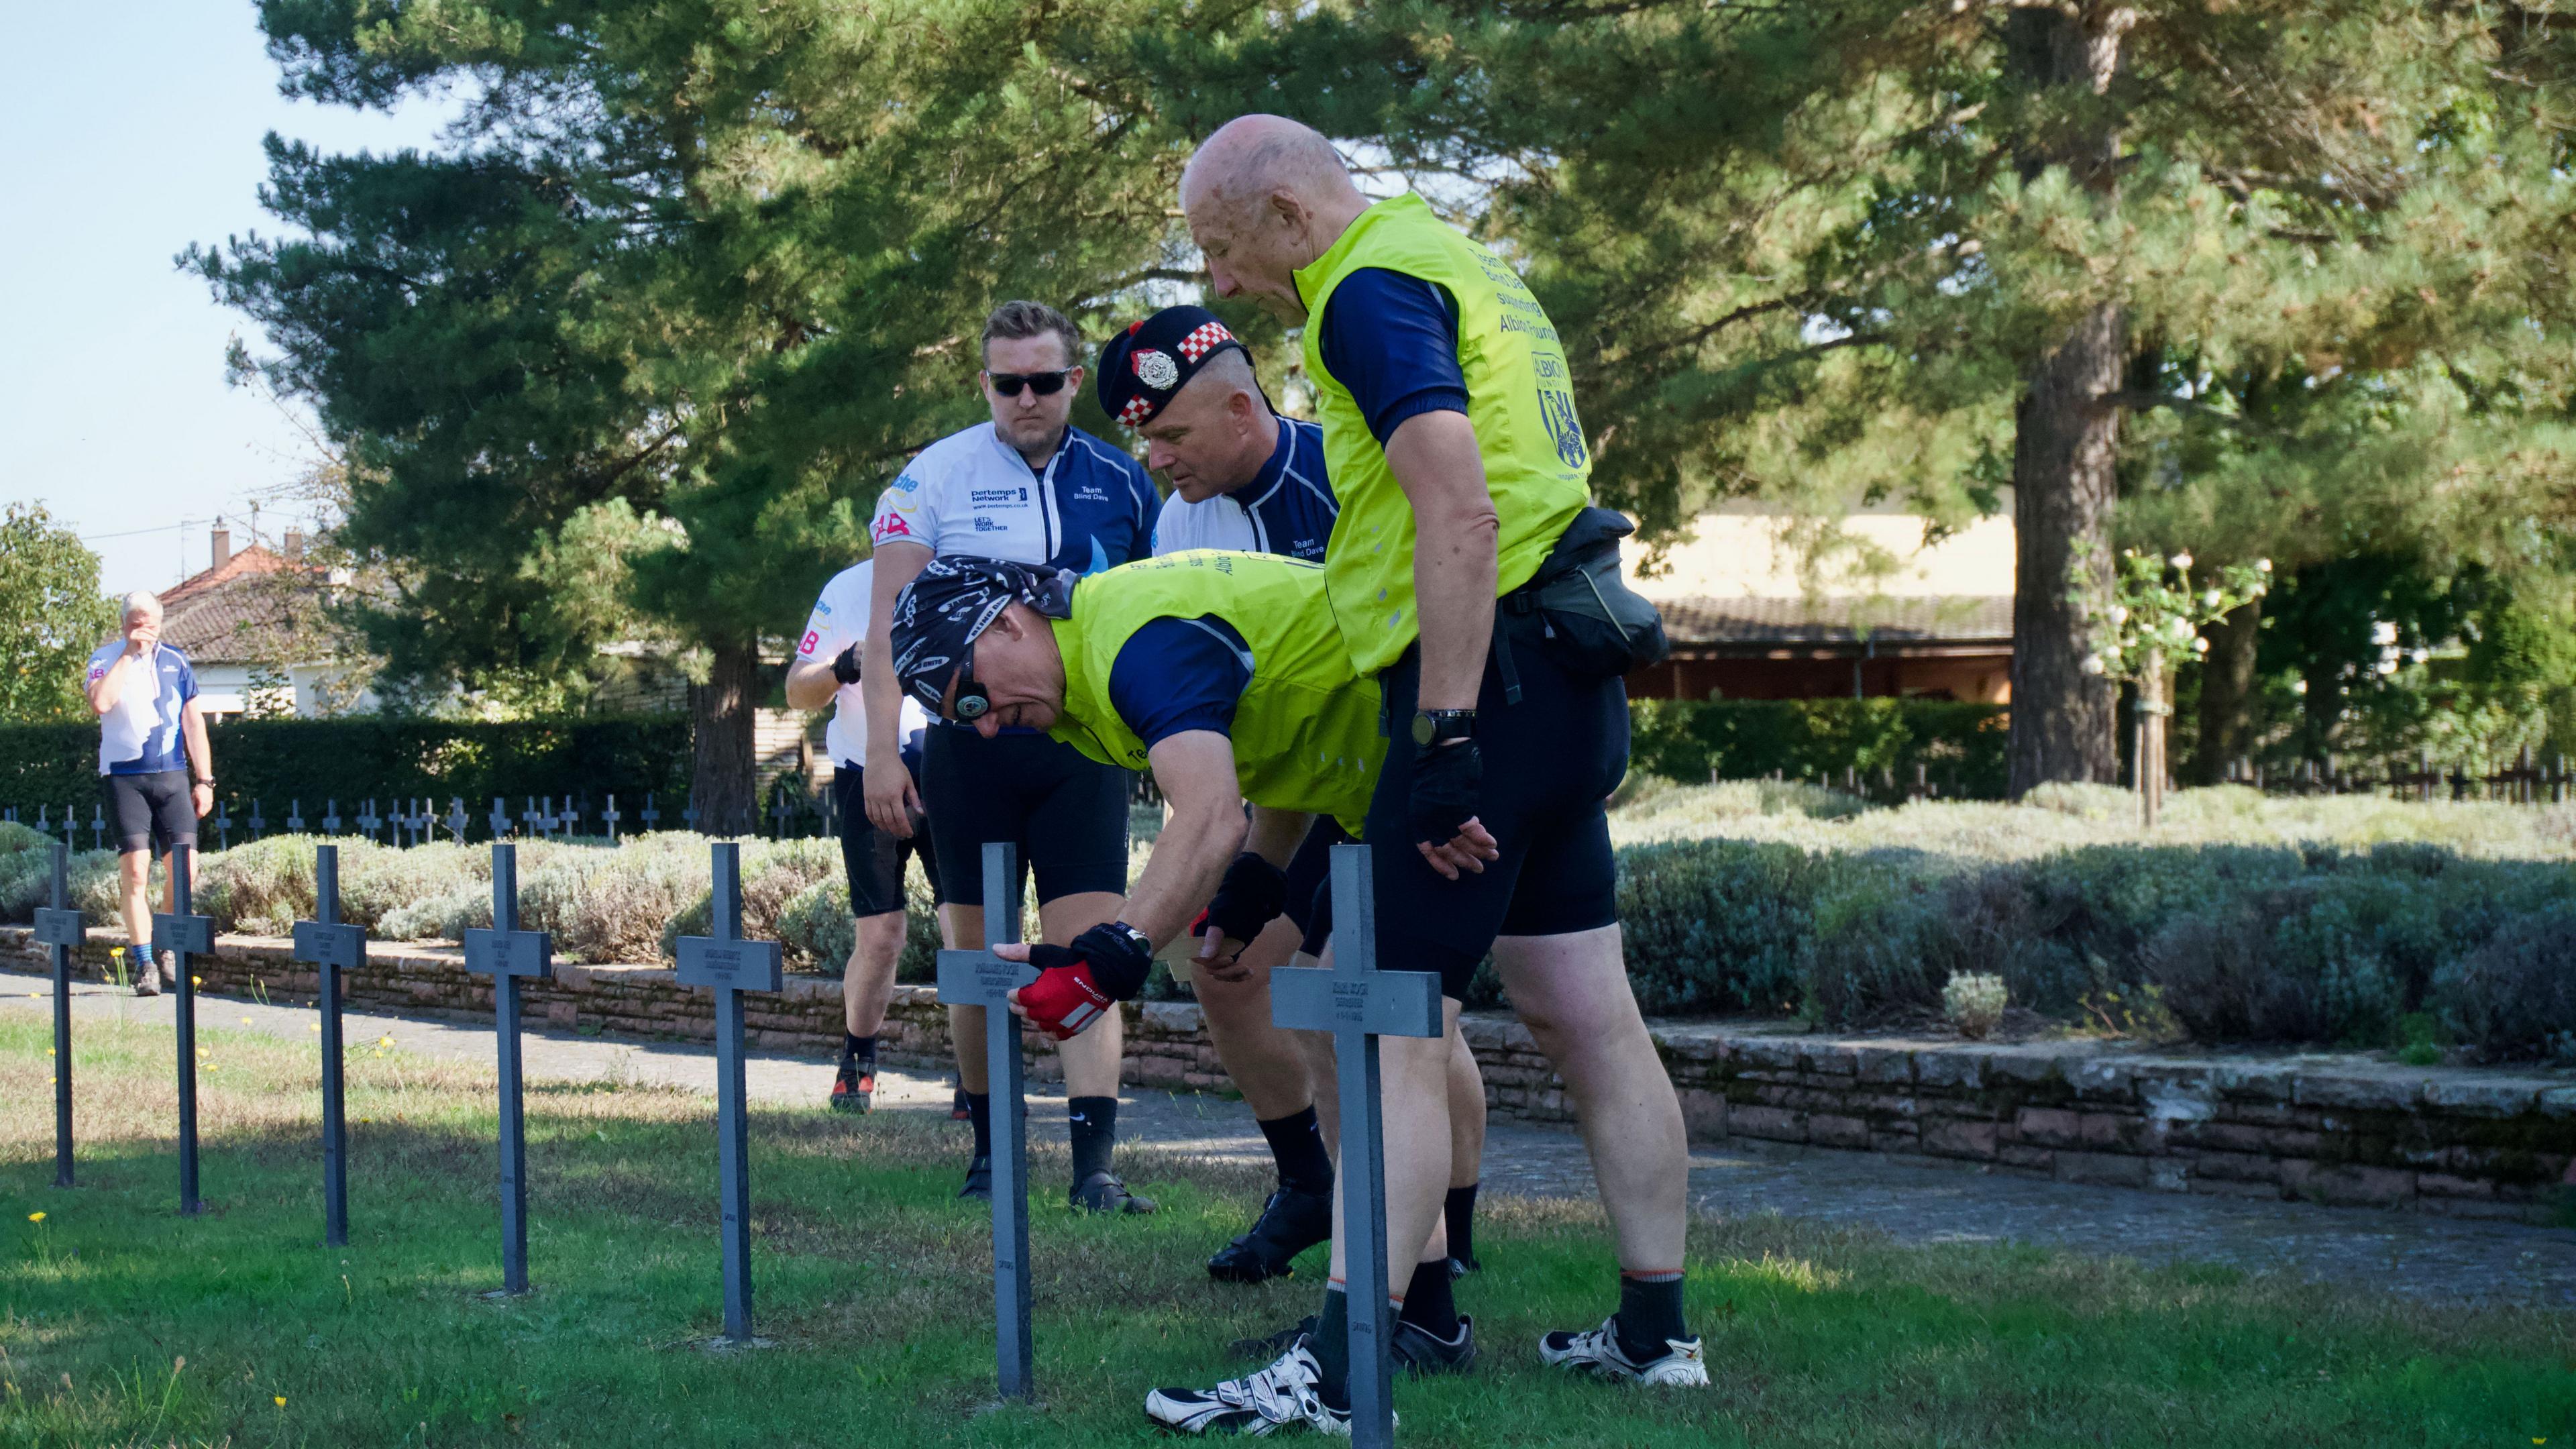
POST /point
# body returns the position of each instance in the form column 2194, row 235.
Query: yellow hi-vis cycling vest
column 1520, row 401
column 1306, row 730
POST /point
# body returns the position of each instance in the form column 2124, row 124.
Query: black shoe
column 1413, row 1348
column 1104, row 1192
column 854, row 1090
column 979, row 1179
column 1461, row 1267
column 1290, row 1223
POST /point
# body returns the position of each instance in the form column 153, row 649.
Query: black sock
column 1093, row 1125
column 979, row 1112
column 1650, row 1311
column 859, row 1052
column 1427, row 1301
column 1297, row 1145
column 1331, row 1346
column 1458, row 1213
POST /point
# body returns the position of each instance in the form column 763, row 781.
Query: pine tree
column 2098, row 253
column 718, row 262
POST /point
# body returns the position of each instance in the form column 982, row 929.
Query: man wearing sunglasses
column 1030, row 488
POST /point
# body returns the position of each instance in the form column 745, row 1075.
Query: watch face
column 1423, row 728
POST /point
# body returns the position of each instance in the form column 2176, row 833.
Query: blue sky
column 131, row 131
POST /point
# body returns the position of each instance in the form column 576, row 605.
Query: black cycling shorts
column 872, row 859
column 1310, row 883
column 1066, row 813
column 154, row 811
column 1551, row 761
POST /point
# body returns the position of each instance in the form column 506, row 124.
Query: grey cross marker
column 506, row 954
column 456, row 818
column 185, row 935
column 257, row 823
column 649, row 814
column 610, row 815
column 330, row 817
column 1358, row 1003
column 499, row 818
column 980, row 978
column 59, row 929
column 294, row 817
column 368, row 820
column 731, row 966
column 332, row 948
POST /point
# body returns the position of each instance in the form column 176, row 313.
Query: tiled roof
column 256, row 608
column 1948, row 620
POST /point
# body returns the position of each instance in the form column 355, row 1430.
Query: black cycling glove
column 1250, row 897
column 1447, row 780
column 845, row 665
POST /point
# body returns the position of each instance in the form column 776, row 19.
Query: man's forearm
column 201, row 754
column 810, row 685
column 1456, row 538
column 1188, row 861
column 103, row 696
column 1275, row 834
column 880, row 693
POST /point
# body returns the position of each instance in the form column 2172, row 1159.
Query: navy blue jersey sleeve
column 1177, row 675
column 1392, row 339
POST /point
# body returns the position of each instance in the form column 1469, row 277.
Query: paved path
column 2409, row 1253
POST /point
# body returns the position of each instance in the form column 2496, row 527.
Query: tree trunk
column 2227, row 693
column 2065, row 443
column 2063, row 718
column 723, row 788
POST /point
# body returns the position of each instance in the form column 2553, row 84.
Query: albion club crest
column 1556, row 408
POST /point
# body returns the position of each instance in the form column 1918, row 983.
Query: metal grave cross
column 369, row 822
column 330, row 817
column 499, row 819
column 649, row 814
column 59, row 929
column 1358, row 1003
column 294, row 817
column 456, row 818
column 97, row 827
column 730, row 966
column 332, row 948
column 258, row 823
column 535, row 818
column 224, row 826
column 506, row 954
column 610, row 815
column 980, row 978
column 185, row 935
column 570, row 816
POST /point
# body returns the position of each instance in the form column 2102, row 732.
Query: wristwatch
column 1440, row 726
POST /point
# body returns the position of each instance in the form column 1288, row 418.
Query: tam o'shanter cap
column 1143, row 368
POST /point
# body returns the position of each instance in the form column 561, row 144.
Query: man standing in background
column 1027, row 487
column 151, row 733
column 826, row 669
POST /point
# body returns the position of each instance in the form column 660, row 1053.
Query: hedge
column 386, row 759
column 1961, row 747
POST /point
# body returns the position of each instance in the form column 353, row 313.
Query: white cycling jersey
column 839, row 620
column 971, row 493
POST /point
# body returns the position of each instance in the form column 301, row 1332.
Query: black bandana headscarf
column 940, row 613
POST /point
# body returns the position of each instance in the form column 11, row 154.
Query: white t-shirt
column 143, row 735
column 840, row 619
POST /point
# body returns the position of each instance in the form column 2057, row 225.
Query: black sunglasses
column 1044, row 384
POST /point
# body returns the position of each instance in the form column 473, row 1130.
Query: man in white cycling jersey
column 826, row 670
column 1245, row 478
column 1031, row 488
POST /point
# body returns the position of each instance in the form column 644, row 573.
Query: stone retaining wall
column 2335, row 1128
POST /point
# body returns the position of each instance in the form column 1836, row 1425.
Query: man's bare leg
column 867, row 985
column 1572, row 993
column 1466, row 1150
column 134, row 877
column 1266, row 1062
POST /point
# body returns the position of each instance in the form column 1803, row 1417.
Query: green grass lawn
column 121, row 1323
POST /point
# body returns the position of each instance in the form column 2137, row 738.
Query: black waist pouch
column 1587, row 617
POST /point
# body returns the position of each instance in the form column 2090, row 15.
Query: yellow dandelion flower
column 36, row 1217
column 281, row 1400
column 196, row 980
column 245, row 1021
column 313, row 1026
column 384, row 1041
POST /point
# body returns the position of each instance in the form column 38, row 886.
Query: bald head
column 1265, row 196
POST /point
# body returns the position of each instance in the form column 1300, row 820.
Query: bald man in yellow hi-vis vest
column 1468, row 575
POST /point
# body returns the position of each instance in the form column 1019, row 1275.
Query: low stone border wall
column 2329, row 1128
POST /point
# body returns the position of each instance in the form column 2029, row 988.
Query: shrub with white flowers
column 2156, row 612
